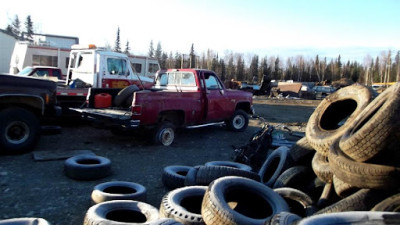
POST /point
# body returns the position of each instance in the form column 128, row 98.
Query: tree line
column 253, row 68
column 19, row 31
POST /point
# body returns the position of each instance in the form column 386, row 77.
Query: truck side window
column 116, row 66
column 187, row 79
column 212, row 83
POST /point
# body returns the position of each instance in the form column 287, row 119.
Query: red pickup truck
column 179, row 98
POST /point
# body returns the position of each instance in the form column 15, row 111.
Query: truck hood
column 28, row 82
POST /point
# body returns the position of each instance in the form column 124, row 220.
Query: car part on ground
column 184, row 205
column 238, row 200
column 121, row 212
column 87, row 167
column 334, row 115
column 174, row 176
column 118, row 190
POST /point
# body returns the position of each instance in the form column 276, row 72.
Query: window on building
column 137, row 67
column 44, row 60
column 153, row 67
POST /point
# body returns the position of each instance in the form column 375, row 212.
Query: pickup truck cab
column 179, row 98
column 46, row 72
column 24, row 102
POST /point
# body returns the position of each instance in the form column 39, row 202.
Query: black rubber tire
column 24, row 221
column 321, row 168
column 164, row 134
column 118, row 190
column 324, row 125
column 362, row 200
column 236, row 165
column 391, row 204
column 237, row 200
column 277, row 162
column 239, row 121
column 297, row 177
column 283, row 218
column 174, row 176
column 376, row 129
column 206, row 174
column 299, row 202
column 342, row 188
column 120, row 212
column 126, row 93
column 353, row 218
column 184, row 205
column 301, row 152
column 19, row 130
column 87, row 167
column 190, row 178
column 363, row 175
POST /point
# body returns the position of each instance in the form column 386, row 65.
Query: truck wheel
column 165, row 134
column 19, row 130
column 239, row 121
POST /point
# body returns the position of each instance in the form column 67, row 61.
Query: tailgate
column 108, row 116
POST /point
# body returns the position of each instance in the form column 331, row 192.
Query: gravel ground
column 31, row 188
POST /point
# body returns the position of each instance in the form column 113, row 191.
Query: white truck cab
column 101, row 68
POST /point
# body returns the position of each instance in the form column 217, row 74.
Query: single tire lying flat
column 87, row 167
column 237, row 200
column 118, row 190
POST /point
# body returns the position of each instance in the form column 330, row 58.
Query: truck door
column 217, row 103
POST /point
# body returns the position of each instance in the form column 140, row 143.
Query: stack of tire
column 344, row 171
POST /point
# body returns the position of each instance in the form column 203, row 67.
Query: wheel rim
column 238, row 122
column 17, row 132
column 167, row 136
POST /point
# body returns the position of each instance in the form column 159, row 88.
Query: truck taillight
column 137, row 110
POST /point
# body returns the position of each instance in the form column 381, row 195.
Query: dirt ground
column 31, row 188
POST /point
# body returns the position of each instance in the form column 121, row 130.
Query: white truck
column 92, row 67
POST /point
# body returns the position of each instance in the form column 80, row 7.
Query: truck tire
column 237, row 200
column 299, row 202
column 353, row 218
column 334, row 115
column 118, row 190
column 24, row 221
column 19, row 130
column 174, row 176
column 376, row 129
column 121, row 212
column 236, row 165
column 239, row 121
column 184, row 205
column 87, row 167
column 123, row 96
column 277, row 162
column 206, row 174
column 321, row 168
column 164, row 134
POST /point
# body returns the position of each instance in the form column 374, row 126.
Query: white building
column 7, row 43
column 44, row 50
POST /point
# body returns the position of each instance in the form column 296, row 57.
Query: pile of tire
column 345, row 170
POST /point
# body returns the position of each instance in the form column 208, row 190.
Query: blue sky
column 351, row 28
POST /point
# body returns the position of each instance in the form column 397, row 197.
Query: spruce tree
column 29, row 28
column 127, row 48
column 151, row 49
column 16, row 26
column 158, row 52
column 117, row 46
